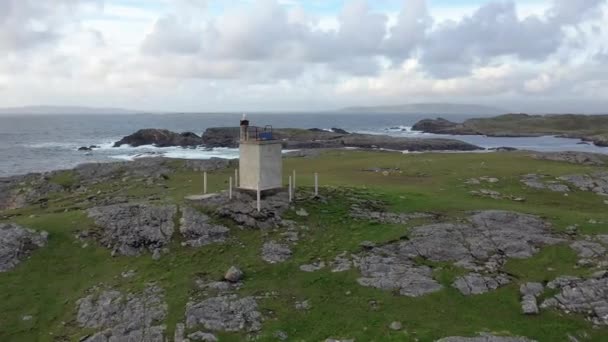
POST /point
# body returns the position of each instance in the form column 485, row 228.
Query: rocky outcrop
column 596, row 182
column 437, row 126
column 198, row 231
column 119, row 317
column 391, row 271
column 225, row 313
column 160, row 138
column 129, row 229
column 571, row 157
column 541, row 182
column 273, row 252
column 292, row 138
column 475, row 283
column 585, row 127
column 585, row 296
column 483, row 245
column 16, row 244
column 242, row 209
column 485, row 338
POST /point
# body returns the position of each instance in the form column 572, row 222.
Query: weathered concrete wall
column 260, row 161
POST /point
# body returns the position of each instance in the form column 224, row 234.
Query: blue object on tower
column 265, row 135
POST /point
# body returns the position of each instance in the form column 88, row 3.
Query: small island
column 293, row 138
column 591, row 128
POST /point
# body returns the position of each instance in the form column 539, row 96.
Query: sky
column 533, row 56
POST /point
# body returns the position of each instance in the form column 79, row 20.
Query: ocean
column 39, row 143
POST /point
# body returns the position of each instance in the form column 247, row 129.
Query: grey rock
column 218, row 286
column 178, row 336
column 242, row 209
column 588, row 249
column 360, row 213
column 281, row 335
column 303, row 305
column 396, row 273
column 160, row 138
column 119, row 317
column 129, row 229
column 395, row 326
column 234, row 274
column 313, row 267
column 341, row 263
column 128, row 274
column 225, row 313
column 483, row 244
column 529, row 305
column 602, row 238
column 475, row 283
column 302, row 212
column 596, row 182
column 198, row 231
column 273, row 252
column 570, row 157
column 585, row 296
column 531, row 289
column 539, row 182
column 202, row 336
column 17, row 243
column 485, row 338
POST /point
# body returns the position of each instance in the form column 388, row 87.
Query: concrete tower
column 260, row 158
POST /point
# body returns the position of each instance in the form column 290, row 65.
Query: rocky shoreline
column 293, row 138
column 588, row 128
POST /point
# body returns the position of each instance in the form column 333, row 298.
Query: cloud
column 268, row 53
column 495, row 30
column 26, row 24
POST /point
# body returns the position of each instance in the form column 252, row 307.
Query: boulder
column 129, row 229
column 234, row 274
column 160, row 138
column 17, row 243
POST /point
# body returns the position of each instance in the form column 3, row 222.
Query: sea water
column 38, row 143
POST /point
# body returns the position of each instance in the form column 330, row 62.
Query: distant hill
column 71, row 110
column 430, row 108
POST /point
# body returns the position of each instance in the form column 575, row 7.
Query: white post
column 259, row 199
column 230, row 188
column 236, row 178
column 205, row 182
column 294, row 180
column 316, row 184
column 289, row 189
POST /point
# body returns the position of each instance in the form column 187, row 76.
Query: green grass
column 48, row 284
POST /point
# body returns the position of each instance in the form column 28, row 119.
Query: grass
column 48, row 284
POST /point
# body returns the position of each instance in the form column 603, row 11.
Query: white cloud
column 272, row 54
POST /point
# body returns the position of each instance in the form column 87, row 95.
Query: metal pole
column 230, row 188
column 294, row 180
column 205, row 182
column 316, row 184
column 236, row 178
column 259, row 199
column 289, row 189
